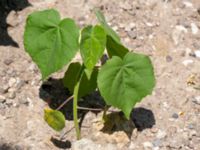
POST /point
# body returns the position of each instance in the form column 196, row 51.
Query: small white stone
column 11, row 82
column 149, row 24
column 187, row 62
column 178, row 33
column 115, row 28
column 2, row 98
column 161, row 134
column 181, row 28
column 188, row 51
column 197, row 99
column 132, row 25
column 147, row 145
column 194, row 28
column 188, row 4
column 197, row 53
column 156, row 148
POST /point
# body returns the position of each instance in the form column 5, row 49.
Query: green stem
column 75, row 102
column 75, row 115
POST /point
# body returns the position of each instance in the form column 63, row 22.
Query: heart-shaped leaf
column 124, row 82
column 50, row 41
column 106, row 27
column 93, row 43
column 114, row 48
column 54, row 119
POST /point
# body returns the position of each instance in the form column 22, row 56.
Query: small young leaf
column 124, row 82
column 115, row 49
column 50, row 41
column 87, row 85
column 106, row 27
column 93, row 43
column 55, row 119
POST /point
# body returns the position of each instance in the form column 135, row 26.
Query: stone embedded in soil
column 161, row 134
column 87, row 144
column 187, row 62
column 194, row 28
column 157, row 142
column 197, row 53
column 12, row 95
column 132, row 34
column 196, row 100
column 178, row 34
column 175, row 116
column 168, row 58
column 2, row 99
column 147, row 145
column 11, row 82
column 4, row 89
column 8, row 61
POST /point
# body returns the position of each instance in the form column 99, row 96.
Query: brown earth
column 168, row 31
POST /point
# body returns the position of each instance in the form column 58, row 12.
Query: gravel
column 167, row 31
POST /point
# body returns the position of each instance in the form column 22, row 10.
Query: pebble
column 161, row 134
column 12, row 95
column 87, row 144
column 147, row 145
column 187, row 62
column 154, row 130
column 19, row 84
column 149, row 24
column 132, row 34
column 4, row 89
column 194, row 28
column 177, row 34
column 188, row 4
column 157, row 142
column 175, row 116
column 168, row 58
column 8, row 62
column 196, row 100
column 9, row 102
column 190, row 126
column 192, row 133
column 197, row 53
column 23, row 101
column 11, row 82
column 2, row 99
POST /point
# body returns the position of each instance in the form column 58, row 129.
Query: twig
column 65, row 102
column 95, row 109
column 92, row 109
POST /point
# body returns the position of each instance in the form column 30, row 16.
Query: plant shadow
column 6, row 6
column 140, row 118
column 54, row 93
column 61, row 144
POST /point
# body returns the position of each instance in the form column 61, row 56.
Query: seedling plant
column 52, row 42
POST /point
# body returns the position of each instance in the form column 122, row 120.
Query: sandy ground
column 169, row 119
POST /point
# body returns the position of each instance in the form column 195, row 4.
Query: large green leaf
column 114, row 48
column 55, row 119
column 106, row 27
column 93, row 43
column 87, row 85
column 50, row 41
column 124, row 82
